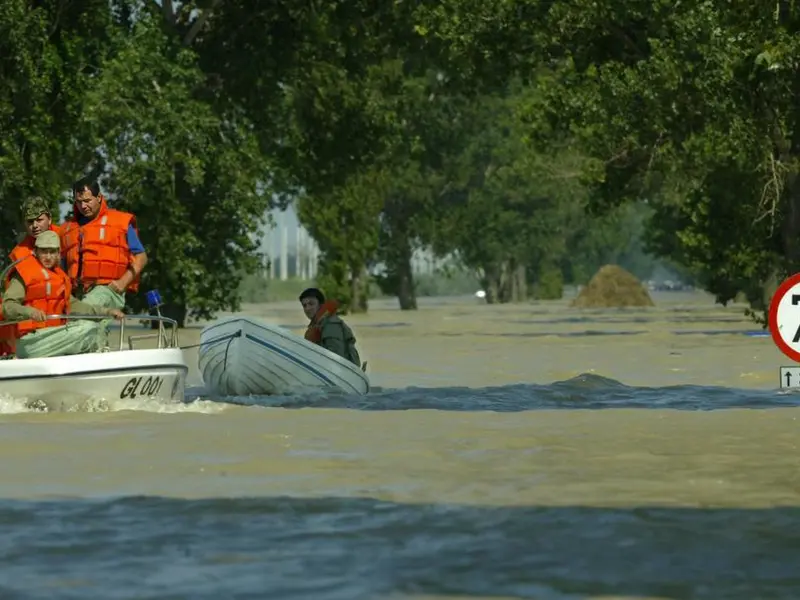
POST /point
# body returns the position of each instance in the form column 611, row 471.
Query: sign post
column 784, row 326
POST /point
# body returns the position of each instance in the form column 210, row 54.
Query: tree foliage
column 189, row 172
column 46, row 63
column 690, row 105
column 524, row 140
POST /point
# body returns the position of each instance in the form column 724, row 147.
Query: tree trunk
column 359, row 302
column 506, row 282
column 519, row 284
column 758, row 294
column 396, row 251
column 788, row 152
column 790, row 227
column 406, row 292
column 490, row 282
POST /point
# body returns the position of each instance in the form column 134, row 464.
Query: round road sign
column 784, row 317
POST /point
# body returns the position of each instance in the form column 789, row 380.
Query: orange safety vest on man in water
column 97, row 252
column 49, row 290
column 329, row 331
column 314, row 330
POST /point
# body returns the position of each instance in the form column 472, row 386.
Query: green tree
column 384, row 106
column 427, row 131
column 191, row 175
column 46, row 63
column 507, row 212
column 617, row 237
column 344, row 223
column 690, row 105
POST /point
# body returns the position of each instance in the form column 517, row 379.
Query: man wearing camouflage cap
column 36, row 215
column 38, row 287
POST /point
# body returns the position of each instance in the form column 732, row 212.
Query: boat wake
column 10, row 405
column 586, row 391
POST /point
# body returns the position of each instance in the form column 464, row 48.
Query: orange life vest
column 25, row 247
column 48, row 290
column 314, row 331
column 97, row 253
column 8, row 336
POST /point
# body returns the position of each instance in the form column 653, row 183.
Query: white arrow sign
column 790, row 377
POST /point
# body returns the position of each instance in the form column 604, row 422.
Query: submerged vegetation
column 530, row 142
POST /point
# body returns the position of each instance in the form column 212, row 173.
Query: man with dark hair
column 103, row 255
column 326, row 328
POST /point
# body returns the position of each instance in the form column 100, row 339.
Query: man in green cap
column 38, row 287
column 36, row 215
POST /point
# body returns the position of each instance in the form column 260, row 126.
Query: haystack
column 613, row 287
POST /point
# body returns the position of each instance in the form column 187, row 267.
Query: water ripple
column 585, row 391
column 353, row 549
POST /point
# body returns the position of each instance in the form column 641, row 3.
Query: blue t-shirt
column 133, row 241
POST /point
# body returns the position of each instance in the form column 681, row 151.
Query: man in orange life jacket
column 36, row 218
column 36, row 215
column 326, row 328
column 38, row 287
column 102, row 252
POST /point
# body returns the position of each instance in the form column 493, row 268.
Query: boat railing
column 154, row 302
column 167, row 334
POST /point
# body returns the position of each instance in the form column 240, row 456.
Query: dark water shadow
column 600, row 332
column 631, row 319
column 539, row 334
column 586, row 391
column 292, row 326
column 343, row 548
column 749, row 333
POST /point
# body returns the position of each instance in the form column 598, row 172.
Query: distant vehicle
column 668, row 286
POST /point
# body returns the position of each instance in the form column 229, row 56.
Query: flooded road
column 528, row 451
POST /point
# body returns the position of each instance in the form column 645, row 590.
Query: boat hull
column 239, row 356
column 64, row 383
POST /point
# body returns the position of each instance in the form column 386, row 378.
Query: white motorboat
column 239, row 356
column 62, row 383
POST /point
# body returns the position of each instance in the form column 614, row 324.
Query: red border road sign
column 784, row 317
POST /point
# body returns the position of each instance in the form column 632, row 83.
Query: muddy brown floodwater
column 530, row 451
